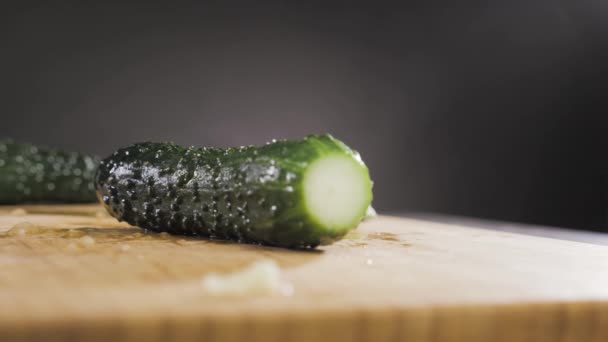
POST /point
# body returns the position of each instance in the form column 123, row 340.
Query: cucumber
column 30, row 174
column 294, row 194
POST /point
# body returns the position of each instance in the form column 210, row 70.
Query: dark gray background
column 489, row 109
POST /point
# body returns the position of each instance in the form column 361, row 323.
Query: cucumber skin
column 35, row 174
column 248, row 194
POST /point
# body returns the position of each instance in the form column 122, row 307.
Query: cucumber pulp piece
column 370, row 213
column 298, row 193
column 33, row 174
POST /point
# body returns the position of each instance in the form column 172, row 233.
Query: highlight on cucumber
column 290, row 193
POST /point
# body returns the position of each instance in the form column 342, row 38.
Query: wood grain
column 391, row 279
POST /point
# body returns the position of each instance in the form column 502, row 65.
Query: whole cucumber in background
column 295, row 194
column 30, row 174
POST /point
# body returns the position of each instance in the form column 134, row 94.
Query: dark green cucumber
column 288, row 193
column 31, row 173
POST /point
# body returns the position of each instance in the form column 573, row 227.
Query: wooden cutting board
column 94, row 279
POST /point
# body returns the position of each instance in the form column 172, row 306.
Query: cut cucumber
column 288, row 193
column 30, row 174
column 336, row 191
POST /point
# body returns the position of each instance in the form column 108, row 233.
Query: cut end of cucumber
column 337, row 191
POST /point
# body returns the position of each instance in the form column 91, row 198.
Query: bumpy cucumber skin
column 34, row 174
column 248, row 194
